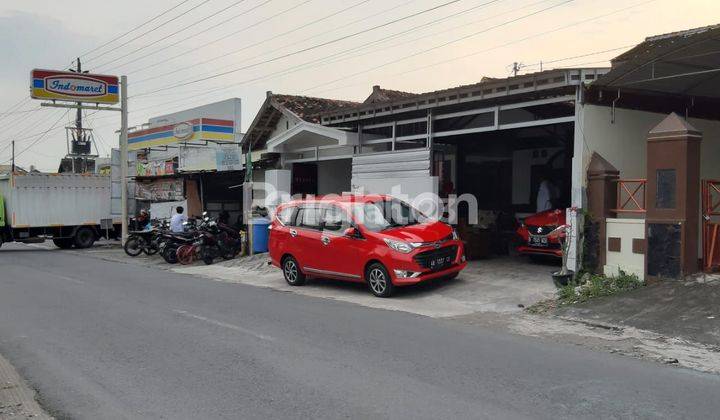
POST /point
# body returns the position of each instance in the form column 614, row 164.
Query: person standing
column 547, row 194
column 177, row 220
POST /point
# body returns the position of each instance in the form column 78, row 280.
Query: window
column 387, row 214
column 286, row 216
column 309, row 217
column 335, row 219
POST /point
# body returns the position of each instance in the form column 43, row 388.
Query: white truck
column 70, row 209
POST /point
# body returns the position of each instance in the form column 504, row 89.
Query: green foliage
column 597, row 286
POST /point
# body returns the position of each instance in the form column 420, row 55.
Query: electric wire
column 134, row 28
column 215, row 26
column 136, row 37
column 308, row 48
column 487, row 49
column 185, row 28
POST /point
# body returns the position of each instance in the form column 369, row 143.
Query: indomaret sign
column 74, row 87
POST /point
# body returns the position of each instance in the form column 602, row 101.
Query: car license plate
column 536, row 240
column 440, row 263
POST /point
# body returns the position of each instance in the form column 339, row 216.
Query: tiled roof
column 386, row 95
column 309, row 108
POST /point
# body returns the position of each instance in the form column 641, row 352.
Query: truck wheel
column 84, row 238
column 63, row 243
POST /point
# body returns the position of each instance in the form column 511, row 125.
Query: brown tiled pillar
column 673, row 199
column 602, row 198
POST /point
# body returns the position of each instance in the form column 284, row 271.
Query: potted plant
column 563, row 277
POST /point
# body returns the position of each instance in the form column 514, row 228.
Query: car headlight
column 455, row 235
column 399, row 246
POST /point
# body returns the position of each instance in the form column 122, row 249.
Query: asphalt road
column 105, row 340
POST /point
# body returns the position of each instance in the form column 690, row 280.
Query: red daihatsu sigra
column 372, row 238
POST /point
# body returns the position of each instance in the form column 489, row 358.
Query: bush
column 597, row 286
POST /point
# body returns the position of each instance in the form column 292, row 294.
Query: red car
column 534, row 233
column 374, row 239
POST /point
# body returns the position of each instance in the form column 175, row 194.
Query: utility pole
column 78, row 117
column 124, row 156
column 516, row 68
column 12, row 166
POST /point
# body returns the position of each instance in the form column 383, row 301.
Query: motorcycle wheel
column 185, row 254
column 169, row 254
column 134, row 246
column 230, row 253
column 206, row 255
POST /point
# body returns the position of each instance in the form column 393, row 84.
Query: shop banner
column 74, row 87
column 195, row 159
column 228, row 159
column 160, row 190
column 155, row 168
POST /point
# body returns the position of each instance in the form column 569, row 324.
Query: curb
column 17, row 400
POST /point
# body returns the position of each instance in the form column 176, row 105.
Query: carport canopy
column 681, row 63
column 307, row 135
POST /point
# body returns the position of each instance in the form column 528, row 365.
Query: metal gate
column 711, row 224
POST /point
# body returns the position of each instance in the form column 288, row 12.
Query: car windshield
column 387, row 214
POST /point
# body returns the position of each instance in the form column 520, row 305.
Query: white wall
column 334, row 176
column 623, row 143
column 625, row 260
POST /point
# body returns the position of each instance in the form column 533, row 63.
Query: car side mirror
column 351, row 232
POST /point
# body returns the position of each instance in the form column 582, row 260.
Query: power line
column 353, row 51
column 449, row 42
column 152, row 30
column 185, row 28
column 306, row 49
column 441, row 62
column 152, row 53
column 303, row 66
column 275, row 37
column 40, row 137
column 135, row 28
column 282, row 12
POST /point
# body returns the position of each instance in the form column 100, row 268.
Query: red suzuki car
column 374, row 239
column 534, row 233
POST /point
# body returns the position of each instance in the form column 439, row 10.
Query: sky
column 201, row 51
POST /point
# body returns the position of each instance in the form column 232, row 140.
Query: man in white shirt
column 547, row 195
column 176, row 222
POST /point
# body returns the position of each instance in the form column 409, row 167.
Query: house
column 498, row 139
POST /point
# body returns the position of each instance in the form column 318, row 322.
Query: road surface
column 100, row 339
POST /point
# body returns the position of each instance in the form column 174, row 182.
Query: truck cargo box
column 50, row 200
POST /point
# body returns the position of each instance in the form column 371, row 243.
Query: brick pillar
column 673, row 199
column 602, row 198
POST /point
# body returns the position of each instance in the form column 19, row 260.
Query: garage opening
column 513, row 174
column 321, row 177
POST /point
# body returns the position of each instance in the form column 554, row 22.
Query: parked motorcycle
column 142, row 241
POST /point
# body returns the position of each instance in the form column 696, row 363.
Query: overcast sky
column 276, row 45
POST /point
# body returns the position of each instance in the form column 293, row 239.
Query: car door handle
column 325, row 240
column 293, row 233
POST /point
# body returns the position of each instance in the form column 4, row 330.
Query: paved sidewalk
column 688, row 310
column 17, row 400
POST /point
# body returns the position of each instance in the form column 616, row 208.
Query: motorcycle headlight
column 399, row 246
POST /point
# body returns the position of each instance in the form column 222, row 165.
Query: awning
column 683, row 63
column 306, row 135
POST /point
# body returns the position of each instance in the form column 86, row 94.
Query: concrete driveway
column 495, row 285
